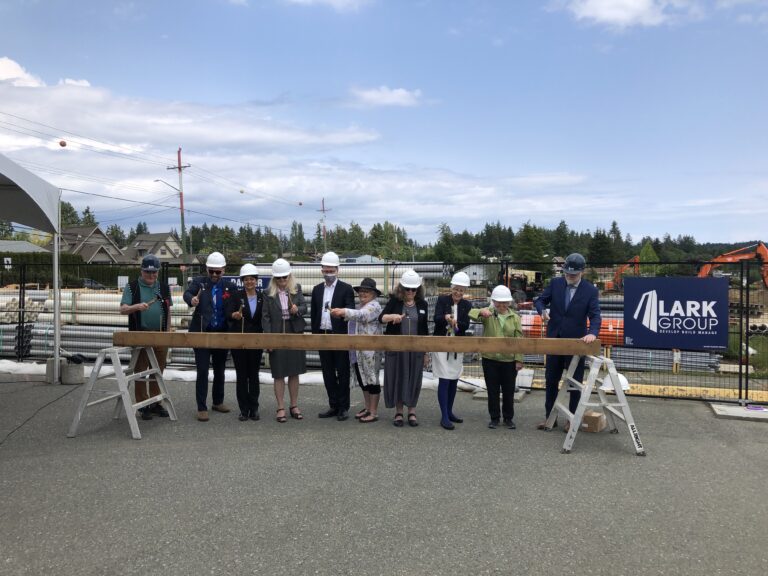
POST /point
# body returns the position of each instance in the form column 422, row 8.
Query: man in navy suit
column 208, row 295
column 571, row 301
column 332, row 293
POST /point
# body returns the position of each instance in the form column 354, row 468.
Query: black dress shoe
column 447, row 425
column 455, row 419
column 493, row 424
column 243, row 417
column 510, row 424
column 342, row 415
column 255, row 416
column 158, row 409
column 145, row 413
column 330, row 413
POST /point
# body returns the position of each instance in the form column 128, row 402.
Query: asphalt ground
column 327, row 497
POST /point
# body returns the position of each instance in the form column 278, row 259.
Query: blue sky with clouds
column 649, row 112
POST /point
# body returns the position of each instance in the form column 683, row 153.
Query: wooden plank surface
column 565, row 346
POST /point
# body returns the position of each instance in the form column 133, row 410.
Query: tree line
column 495, row 242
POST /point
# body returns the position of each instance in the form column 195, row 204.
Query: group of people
column 567, row 303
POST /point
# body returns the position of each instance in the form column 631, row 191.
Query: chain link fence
column 90, row 301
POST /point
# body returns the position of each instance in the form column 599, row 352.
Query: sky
column 652, row 113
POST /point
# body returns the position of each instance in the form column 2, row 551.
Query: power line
column 129, row 154
column 217, row 217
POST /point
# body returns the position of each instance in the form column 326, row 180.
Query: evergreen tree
column 531, row 245
column 601, row 249
column 444, row 250
column 356, row 239
column 117, row 235
column 88, row 218
column 617, row 242
column 561, row 240
column 69, row 216
column 648, row 254
column 142, row 228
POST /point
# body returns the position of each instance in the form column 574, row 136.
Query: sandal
column 398, row 421
column 369, row 418
column 296, row 413
column 364, row 412
column 412, row 421
column 282, row 419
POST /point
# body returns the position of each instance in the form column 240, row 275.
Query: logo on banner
column 692, row 315
column 681, row 313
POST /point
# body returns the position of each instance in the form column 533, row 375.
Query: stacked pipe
column 758, row 329
column 9, row 309
column 15, row 340
column 88, row 308
column 662, row 360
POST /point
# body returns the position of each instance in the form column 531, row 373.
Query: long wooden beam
column 564, row 346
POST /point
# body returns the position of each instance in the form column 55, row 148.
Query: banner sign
column 683, row 313
column 261, row 283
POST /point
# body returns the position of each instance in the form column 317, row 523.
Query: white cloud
column 547, row 180
column 238, row 2
column 628, row 13
column 385, row 96
column 338, row 5
column 14, row 74
column 71, row 82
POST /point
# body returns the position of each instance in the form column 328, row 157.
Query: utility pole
column 180, row 167
column 323, row 209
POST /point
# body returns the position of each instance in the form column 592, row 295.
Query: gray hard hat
column 574, row 263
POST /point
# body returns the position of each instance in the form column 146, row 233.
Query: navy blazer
column 445, row 306
column 251, row 323
column 343, row 297
column 571, row 323
column 201, row 287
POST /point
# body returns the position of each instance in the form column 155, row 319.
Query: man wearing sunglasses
column 208, row 294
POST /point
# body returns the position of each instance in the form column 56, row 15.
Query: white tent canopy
column 29, row 200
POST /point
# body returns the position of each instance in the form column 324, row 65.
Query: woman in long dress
column 365, row 364
column 451, row 319
column 405, row 314
column 283, row 312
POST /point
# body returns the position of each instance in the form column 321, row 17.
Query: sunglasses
column 216, row 272
column 410, row 289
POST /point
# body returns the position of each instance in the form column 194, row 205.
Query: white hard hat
column 410, row 279
column 215, row 260
column 330, row 259
column 280, row 268
column 460, row 279
column 501, row 294
column 249, row 270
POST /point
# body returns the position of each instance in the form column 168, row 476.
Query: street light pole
column 181, row 203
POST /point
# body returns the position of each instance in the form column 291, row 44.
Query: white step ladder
column 123, row 378
column 617, row 408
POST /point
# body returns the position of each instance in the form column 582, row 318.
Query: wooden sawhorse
column 613, row 409
column 123, row 393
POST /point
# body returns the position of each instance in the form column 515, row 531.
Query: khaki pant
column 142, row 363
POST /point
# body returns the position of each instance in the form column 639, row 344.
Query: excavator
column 618, row 276
column 751, row 252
